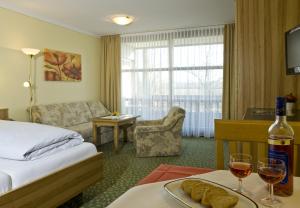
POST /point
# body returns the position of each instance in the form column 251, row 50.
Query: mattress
column 5, row 182
column 23, row 172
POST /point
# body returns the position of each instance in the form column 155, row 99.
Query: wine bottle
column 281, row 146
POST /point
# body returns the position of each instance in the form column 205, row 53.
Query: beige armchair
column 160, row 137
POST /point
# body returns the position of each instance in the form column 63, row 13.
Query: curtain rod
column 172, row 30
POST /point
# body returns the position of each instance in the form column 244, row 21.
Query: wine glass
column 272, row 171
column 240, row 165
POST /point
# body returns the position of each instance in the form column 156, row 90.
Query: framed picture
column 62, row 66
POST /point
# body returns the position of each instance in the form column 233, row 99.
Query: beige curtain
column 261, row 52
column 229, row 101
column 110, row 72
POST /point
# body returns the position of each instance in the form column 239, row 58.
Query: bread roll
column 226, row 201
column 209, row 193
column 187, row 185
column 198, row 191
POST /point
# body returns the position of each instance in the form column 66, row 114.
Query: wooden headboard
column 3, row 113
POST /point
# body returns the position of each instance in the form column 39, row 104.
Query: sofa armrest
column 158, row 128
column 148, row 129
column 149, row 122
column 36, row 114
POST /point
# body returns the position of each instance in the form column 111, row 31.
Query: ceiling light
column 122, row 19
column 30, row 51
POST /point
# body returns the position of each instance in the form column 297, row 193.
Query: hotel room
column 135, row 103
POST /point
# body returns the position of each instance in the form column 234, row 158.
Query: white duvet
column 29, row 141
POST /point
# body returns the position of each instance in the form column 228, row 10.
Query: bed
column 37, row 178
column 5, row 183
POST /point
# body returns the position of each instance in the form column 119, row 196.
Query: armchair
column 160, row 137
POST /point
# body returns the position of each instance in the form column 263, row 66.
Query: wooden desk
column 111, row 121
column 4, row 114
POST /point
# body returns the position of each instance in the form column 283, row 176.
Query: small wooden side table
column 123, row 122
column 4, row 114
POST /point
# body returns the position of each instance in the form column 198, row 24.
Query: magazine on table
column 117, row 117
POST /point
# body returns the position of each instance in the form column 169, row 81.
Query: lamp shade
column 27, row 84
column 30, row 51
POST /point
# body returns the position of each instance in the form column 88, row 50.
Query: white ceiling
column 90, row 16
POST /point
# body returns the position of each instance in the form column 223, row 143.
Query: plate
column 174, row 189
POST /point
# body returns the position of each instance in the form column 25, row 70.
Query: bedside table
column 4, row 114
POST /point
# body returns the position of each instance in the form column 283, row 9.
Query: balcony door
column 174, row 68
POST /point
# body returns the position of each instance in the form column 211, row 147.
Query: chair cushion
column 97, row 109
column 85, row 129
column 50, row 114
column 167, row 172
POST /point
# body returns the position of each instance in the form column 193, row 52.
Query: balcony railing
column 200, row 111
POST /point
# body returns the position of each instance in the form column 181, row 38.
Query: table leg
column 95, row 134
column 99, row 135
column 116, row 137
column 133, row 128
column 125, row 133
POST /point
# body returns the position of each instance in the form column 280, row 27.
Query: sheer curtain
column 174, row 68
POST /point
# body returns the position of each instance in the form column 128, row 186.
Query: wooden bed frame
column 58, row 187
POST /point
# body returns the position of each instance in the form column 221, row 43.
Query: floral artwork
column 61, row 66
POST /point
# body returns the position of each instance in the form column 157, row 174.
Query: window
column 178, row 68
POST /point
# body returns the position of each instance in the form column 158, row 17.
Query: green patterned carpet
column 123, row 170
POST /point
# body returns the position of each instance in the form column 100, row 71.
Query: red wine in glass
column 271, row 175
column 272, row 171
column 240, row 166
column 240, row 169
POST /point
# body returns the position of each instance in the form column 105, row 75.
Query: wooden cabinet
column 3, row 113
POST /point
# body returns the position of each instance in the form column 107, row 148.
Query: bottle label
column 279, row 141
column 281, row 156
